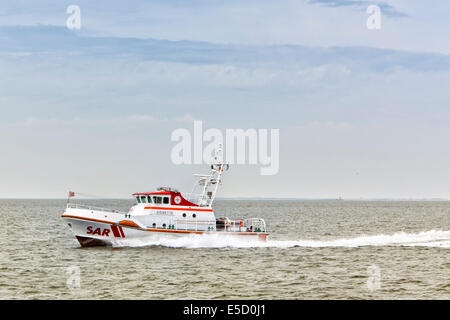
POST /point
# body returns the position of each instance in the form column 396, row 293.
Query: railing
column 252, row 224
column 233, row 225
column 255, row 224
column 89, row 207
column 238, row 225
column 184, row 224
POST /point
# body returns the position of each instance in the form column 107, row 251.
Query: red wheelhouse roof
column 154, row 193
column 182, row 201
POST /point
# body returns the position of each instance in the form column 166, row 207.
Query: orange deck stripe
column 82, row 218
column 128, row 223
column 168, row 230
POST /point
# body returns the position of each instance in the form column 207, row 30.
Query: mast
column 211, row 182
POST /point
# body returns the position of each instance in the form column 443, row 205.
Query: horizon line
column 251, row 198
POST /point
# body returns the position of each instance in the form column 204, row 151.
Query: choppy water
column 317, row 250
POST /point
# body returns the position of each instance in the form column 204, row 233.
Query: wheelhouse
column 164, row 196
column 152, row 199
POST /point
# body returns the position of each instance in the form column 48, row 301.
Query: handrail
column 185, row 224
column 89, row 207
column 256, row 223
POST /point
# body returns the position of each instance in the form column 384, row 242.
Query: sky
column 362, row 114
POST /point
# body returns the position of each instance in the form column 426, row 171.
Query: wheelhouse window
column 157, row 199
column 138, row 199
column 149, row 199
column 166, row 200
column 143, row 199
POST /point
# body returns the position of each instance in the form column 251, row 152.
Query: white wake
column 432, row 238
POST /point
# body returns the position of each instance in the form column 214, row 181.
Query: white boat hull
column 98, row 228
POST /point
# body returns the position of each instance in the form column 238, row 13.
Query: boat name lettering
column 164, row 212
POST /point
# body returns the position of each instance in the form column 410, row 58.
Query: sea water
column 316, row 250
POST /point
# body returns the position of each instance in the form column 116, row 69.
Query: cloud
column 186, row 118
column 31, row 122
column 141, row 118
column 386, row 8
column 51, row 41
column 99, row 79
column 263, row 22
column 79, row 103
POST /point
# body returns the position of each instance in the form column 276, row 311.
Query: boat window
column 143, row 199
column 166, row 200
column 149, row 199
column 138, row 199
column 157, row 199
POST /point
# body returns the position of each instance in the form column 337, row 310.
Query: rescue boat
column 162, row 214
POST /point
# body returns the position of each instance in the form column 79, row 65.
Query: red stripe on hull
column 115, row 231
column 121, row 232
